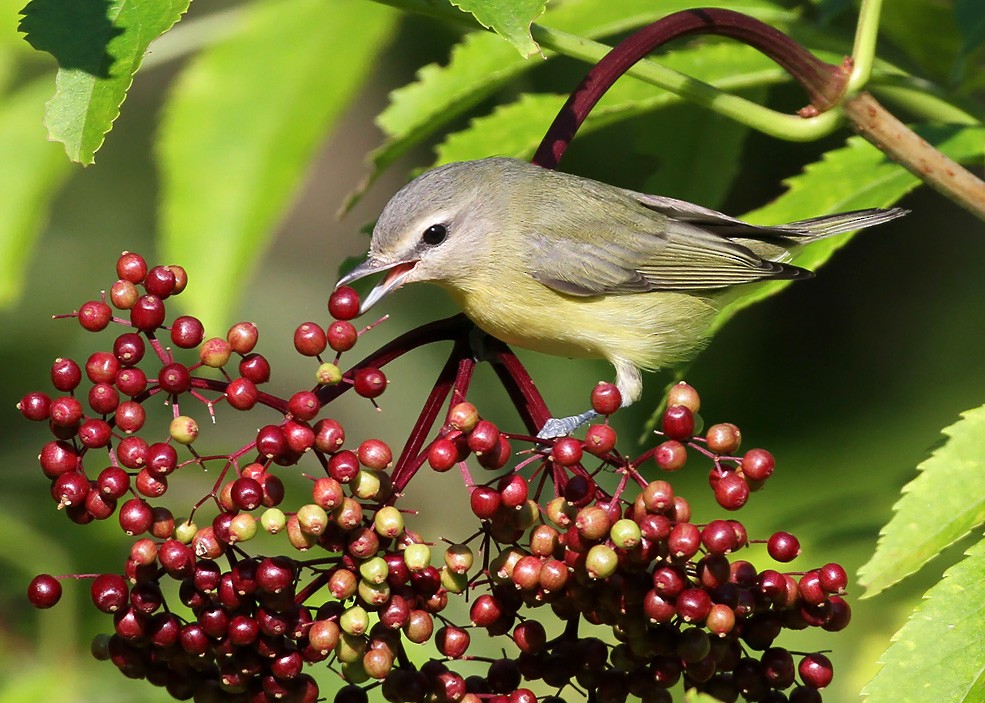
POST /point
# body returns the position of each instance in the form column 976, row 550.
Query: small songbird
column 573, row 267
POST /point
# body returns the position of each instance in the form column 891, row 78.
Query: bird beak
column 392, row 281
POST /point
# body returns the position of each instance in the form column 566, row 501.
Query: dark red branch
column 823, row 82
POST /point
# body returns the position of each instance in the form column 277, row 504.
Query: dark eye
column 435, row 234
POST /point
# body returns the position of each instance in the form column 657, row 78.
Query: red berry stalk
column 565, row 530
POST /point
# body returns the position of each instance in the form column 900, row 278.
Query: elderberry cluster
column 641, row 597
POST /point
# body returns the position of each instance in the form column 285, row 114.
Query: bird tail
column 828, row 225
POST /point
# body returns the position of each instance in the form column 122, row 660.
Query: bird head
column 431, row 230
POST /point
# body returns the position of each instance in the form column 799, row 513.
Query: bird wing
column 643, row 252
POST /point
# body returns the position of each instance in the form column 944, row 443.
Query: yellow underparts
column 647, row 330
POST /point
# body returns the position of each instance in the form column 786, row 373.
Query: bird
column 574, row 267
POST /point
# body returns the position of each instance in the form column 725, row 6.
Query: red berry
column 109, row 592
column 242, row 393
column 484, row 437
column 375, row 454
column 442, row 455
column 95, row 315
column 255, row 367
column 342, row 336
column 131, row 267
column 452, row 641
column 44, row 591
column 136, row 516
column 816, row 670
column 303, row 405
column 71, row 488
column 242, row 337
column 600, row 440
column 159, row 281
column 606, row 398
column 113, row 482
column 833, row 577
column 344, row 303
column 131, row 382
column 147, row 314
column 731, row 491
column 684, row 394
column 309, row 339
column 670, row 455
column 369, row 382
column 95, row 433
column 129, row 348
column 35, row 406
column 246, row 493
column 187, row 332
column 329, row 435
column 678, row 422
column 757, row 464
column 485, row 502
column 174, row 378
column 566, row 451
column 718, row 537
column 65, row 411
column 123, row 294
column 65, row 375
column 102, row 367
column 783, row 547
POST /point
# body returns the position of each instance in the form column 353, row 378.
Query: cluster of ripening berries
column 641, row 596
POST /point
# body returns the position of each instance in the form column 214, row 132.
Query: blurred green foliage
column 847, row 378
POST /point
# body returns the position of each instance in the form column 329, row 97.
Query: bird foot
column 563, row 426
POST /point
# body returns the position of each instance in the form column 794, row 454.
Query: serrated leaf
column 481, row 63
column 26, row 190
column 854, row 176
column 99, row 47
column 511, row 19
column 939, row 654
column 517, row 128
column 245, row 120
column 940, row 506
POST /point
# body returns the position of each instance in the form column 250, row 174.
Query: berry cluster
column 641, row 596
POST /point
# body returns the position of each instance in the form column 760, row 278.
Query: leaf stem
column 908, row 149
column 864, row 51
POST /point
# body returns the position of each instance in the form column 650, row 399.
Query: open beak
column 396, row 273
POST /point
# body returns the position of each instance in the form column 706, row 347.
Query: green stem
column 864, row 52
column 777, row 124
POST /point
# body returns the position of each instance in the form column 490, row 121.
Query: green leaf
column 516, row 129
column 970, row 17
column 481, row 63
column 25, row 191
column 940, row 506
column 939, row 654
column 98, row 46
column 245, row 120
column 511, row 19
column 855, row 176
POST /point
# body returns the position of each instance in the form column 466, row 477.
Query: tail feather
column 828, row 225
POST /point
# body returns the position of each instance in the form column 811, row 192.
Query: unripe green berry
column 312, row 519
column 454, row 582
column 373, row 594
column 374, row 570
column 365, row 485
column 183, row 429
column 459, row 558
column 328, row 374
column 355, row 620
column 273, row 520
column 417, row 557
column 242, row 528
column 185, row 531
column 601, row 561
column 388, row 521
column 625, row 534
column 350, row 647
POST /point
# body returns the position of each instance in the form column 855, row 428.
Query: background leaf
column 940, row 506
column 243, row 125
column 855, row 176
column 481, row 63
column 25, row 191
column 99, row 46
column 511, row 19
column 939, row 655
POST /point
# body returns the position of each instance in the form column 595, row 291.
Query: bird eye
column 435, row 234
